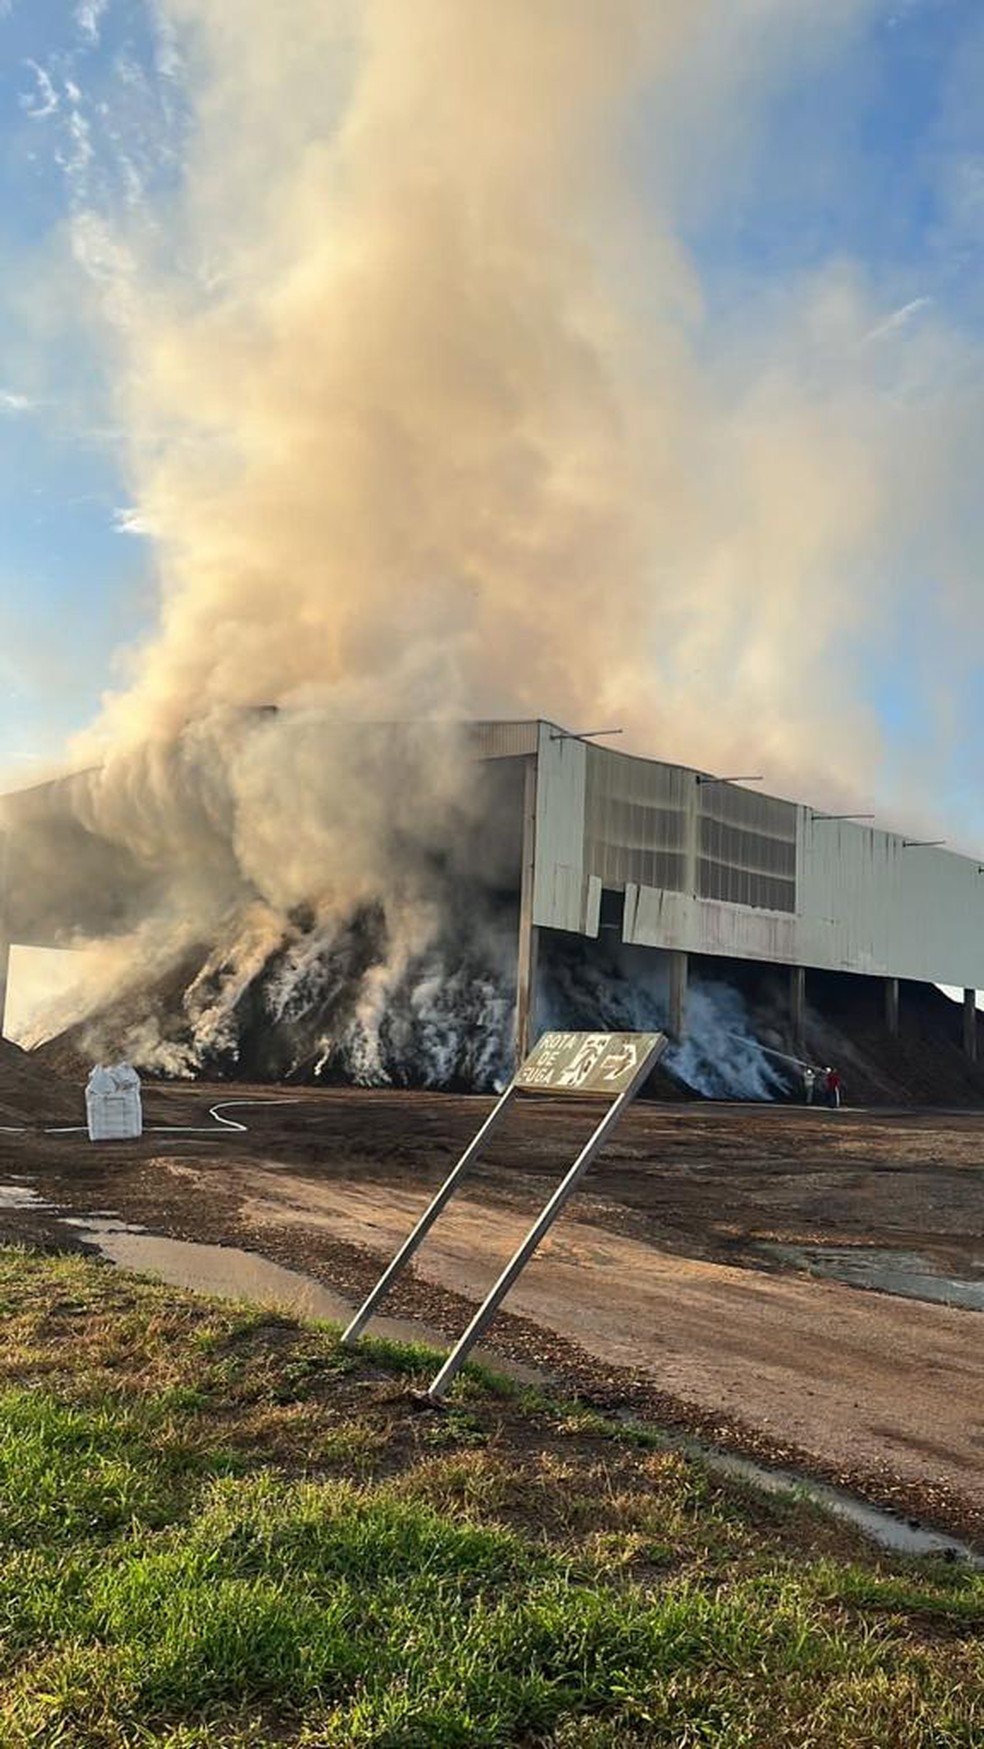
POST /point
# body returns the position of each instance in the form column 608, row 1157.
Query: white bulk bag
column 112, row 1103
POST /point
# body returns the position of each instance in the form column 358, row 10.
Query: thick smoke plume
column 423, row 422
column 391, row 456
column 432, row 393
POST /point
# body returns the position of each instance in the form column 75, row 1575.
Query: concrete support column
column 797, row 1005
column 970, row 1024
column 528, row 932
column 677, row 1018
column 892, row 1006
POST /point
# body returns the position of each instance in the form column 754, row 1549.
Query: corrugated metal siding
column 869, row 903
column 746, row 848
column 655, row 825
column 865, row 903
column 504, row 740
column 636, row 821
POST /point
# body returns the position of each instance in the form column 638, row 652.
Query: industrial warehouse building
column 605, row 846
column 687, row 862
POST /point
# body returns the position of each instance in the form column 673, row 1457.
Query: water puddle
column 19, row 1194
column 904, row 1273
column 901, row 1535
column 223, row 1272
column 226, row 1273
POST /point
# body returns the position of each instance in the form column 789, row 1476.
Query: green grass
column 218, row 1528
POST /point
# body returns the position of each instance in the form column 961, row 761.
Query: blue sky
column 89, row 119
column 877, row 153
column 864, row 159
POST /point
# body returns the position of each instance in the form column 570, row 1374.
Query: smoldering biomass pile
column 31, row 1094
column 311, row 1005
column 314, row 1004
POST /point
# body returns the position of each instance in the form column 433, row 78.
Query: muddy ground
column 652, row 1293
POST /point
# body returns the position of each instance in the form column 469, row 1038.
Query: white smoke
column 719, row 1056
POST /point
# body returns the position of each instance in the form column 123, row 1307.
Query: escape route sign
column 586, row 1062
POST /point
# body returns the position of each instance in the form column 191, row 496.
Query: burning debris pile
column 317, row 1004
column 332, row 1009
column 294, row 999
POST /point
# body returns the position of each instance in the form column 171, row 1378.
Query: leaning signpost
column 610, row 1065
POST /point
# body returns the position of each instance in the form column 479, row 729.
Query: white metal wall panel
column 558, row 886
column 746, row 847
column 681, row 920
column 592, row 907
column 869, row 903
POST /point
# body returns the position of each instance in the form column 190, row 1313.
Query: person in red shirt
column 834, row 1088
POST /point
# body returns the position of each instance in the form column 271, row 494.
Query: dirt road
column 654, row 1285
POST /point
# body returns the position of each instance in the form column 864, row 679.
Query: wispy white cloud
column 88, row 16
column 13, row 403
column 905, row 11
column 75, row 150
column 43, row 100
column 128, row 519
column 78, row 155
column 898, row 320
column 168, row 59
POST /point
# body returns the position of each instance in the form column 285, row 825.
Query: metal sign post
column 587, row 1063
column 426, row 1221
